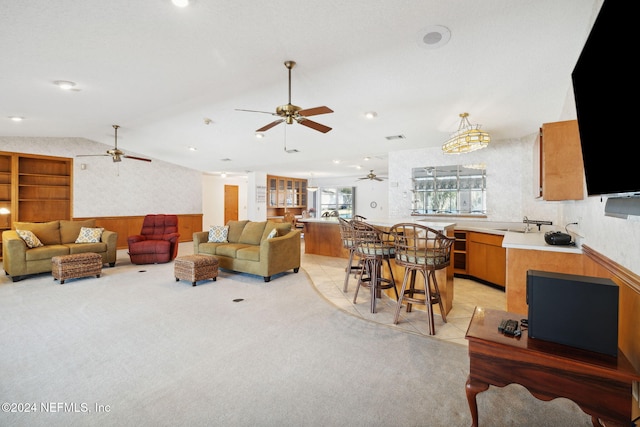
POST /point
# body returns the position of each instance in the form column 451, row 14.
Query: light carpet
column 135, row 347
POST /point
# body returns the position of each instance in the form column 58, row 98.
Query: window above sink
column 449, row 190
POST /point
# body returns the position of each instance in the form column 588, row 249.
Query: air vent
column 292, row 150
column 394, row 137
column 225, row 160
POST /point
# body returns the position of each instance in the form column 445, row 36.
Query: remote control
column 509, row 327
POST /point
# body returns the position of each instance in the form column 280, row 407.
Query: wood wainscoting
column 597, row 265
column 588, row 263
column 127, row 226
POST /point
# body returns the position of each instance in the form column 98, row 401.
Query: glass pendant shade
column 467, row 138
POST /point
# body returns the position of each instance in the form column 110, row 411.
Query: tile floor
column 327, row 274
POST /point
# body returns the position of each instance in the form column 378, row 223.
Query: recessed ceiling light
column 433, row 36
column 336, row 161
column 366, row 159
column 180, row 3
column 64, row 84
column 259, row 135
column 193, row 149
column 16, row 118
column 370, row 115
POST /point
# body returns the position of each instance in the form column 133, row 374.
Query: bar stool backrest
column 417, row 245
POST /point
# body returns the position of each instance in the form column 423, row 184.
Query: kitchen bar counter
column 322, row 237
column 524, row 251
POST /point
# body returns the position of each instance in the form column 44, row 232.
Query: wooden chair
column 423, row 249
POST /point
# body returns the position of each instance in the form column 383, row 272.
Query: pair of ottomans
column 192, row 268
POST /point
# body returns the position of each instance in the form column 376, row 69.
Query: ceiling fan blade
column 92, row 155
column 256, row 111
column 314, row 125
column 315, row 111
column 137, row 158
column 378, row 179
column 270, row 125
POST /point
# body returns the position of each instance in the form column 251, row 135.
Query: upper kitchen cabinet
column 559, row 172
column 285, row 194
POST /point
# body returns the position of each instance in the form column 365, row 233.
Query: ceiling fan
column 289, row 113
column 371, row 176
column 115, row 153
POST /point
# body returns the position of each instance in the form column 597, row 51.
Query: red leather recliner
column 157, row 243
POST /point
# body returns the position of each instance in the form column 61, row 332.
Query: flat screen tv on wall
column 604, row 83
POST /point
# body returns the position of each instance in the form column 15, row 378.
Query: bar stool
column 423, row 249
column 374, row 248
column 348, row 242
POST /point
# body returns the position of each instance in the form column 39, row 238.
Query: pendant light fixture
column 467, row 138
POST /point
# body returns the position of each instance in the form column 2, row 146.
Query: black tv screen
column 605, row 82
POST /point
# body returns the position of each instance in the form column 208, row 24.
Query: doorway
column 230, row 203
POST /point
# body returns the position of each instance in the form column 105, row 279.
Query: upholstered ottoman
column 74, row 266
column 195, row 267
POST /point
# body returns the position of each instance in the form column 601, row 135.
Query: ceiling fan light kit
column 467, row 138
column 290, row 113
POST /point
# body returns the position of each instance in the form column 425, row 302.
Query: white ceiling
column 159, row 71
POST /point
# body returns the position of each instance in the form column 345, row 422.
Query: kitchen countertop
column 514, row 237
column 388, row 222
column 535, row 241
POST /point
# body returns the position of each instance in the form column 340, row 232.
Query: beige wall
column 128, row 188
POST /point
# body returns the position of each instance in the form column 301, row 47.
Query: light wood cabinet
column 35, row 188
column 460, row 252
column 486, row 257
column 558, row 168
column 285, row 195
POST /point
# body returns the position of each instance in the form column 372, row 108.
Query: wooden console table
column 599, row 384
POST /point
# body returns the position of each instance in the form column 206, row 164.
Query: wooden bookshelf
column 35, row 188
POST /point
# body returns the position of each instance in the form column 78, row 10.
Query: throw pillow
column 218, row 233
column 89, row 235
column 272, row 234
column 29, row 238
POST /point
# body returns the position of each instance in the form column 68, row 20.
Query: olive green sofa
column 58, row 238
column 250, row 249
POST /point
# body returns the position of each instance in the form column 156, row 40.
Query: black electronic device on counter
column 509, row 327
column 578, row 311
column 557, row 238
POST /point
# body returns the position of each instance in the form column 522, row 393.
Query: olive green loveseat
column 263, row 248
column 57, row 238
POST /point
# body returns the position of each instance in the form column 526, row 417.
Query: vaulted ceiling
column 174, row 78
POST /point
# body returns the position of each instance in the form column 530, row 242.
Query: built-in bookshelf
column 34, row 188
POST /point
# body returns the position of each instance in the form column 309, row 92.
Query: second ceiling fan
column 290, row 113
column 371, row 177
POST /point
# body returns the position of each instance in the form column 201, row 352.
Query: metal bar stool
column 423, row 249
column 374, row 248
column 348, row 242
